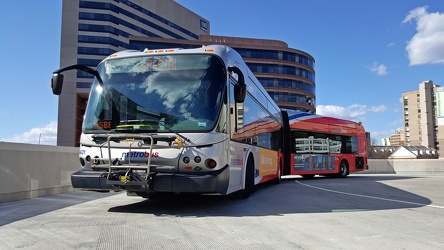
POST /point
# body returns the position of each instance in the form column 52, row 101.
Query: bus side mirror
column 240, row 88
column 240, row 91
column 57, row 83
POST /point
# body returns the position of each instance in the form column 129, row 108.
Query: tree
column 377, row 152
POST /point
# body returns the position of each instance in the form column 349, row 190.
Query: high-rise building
column 385, row 141
column 439, row 118
column 92, row 30
column 397, row 139
column 423, row 116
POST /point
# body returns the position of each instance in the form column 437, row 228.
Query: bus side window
column 233, row 111
column 301, row 142
column 335, row 144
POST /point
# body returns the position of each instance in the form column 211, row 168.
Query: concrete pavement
column 358, row 212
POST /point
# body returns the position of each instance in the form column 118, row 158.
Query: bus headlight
column 186, row 159
column 197, row 159
column 82, row 162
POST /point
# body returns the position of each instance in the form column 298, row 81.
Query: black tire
column 343, row 169
column 249, row 180
column 279, row 178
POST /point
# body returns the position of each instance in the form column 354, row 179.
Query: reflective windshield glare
column 157, row 93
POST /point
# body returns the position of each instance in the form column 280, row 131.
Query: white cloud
column 355, row 112
column 427, row 45
column 45, row 136
column 390, row 45
column 330, row 110
column 378, row 109
column 379, row 69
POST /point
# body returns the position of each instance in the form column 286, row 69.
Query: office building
column 92, row 30
column 424, row 116
column 397, row 139
column 385, row 141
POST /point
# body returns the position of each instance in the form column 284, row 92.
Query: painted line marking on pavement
column 370, row 197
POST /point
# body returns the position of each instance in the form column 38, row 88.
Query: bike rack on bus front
column 130, row 139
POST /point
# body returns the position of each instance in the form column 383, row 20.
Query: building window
column 116, row 9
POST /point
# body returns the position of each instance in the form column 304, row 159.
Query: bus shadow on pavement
column 294, row 195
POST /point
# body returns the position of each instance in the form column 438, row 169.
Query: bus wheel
column 343, row 169
column 279, row 177
column 249, row 180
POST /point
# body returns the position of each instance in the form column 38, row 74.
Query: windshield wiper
column 137, row 126
column 176, row 133
column 146, row 125
column 133, row 129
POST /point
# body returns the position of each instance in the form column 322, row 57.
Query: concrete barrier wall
column 379, row 166
column 405, row 166
column 28, row 170
column 419, row 166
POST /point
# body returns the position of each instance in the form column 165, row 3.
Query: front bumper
column 208, row 182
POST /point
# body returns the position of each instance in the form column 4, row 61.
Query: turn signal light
column 211, row 163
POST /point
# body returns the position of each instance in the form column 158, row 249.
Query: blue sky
column 367, row 53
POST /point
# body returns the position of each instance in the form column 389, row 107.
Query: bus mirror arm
column 240, row 88
column 57, row 77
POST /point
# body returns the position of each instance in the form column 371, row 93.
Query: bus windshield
column 159, row 93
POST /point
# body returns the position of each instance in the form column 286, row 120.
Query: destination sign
column 160, row 64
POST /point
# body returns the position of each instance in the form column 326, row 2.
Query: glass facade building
column 92, row 30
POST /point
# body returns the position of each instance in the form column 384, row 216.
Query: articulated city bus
column 177, row 120
column 320, row 145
